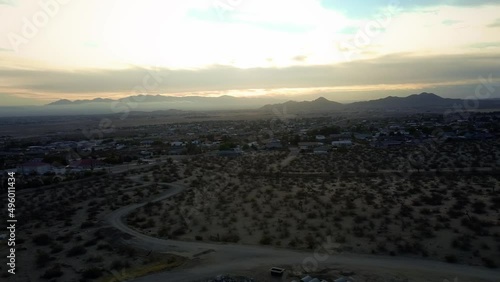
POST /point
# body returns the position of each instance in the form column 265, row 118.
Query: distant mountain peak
column 425, row 94
column 321, row 104
column 322, row 99
column 424, row 101
column 61, row 102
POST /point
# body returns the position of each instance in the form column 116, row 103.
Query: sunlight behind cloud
column 239, row 34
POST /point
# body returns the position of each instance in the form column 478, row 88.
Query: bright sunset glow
column 51, row 49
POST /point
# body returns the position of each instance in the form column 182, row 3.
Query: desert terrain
column 450, row 215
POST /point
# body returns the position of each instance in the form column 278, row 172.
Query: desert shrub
column 479, row 207
column 455, row 213
column 90, row 242
column 340, row 239
column 42, row 239
column 118, row 264
column 434, row 199
column 407, row 247
column 496, row 202
column 462, row 242
column 95, row 259
column 266, row 240
column 476, row 225
column 451, row 258
column 489, row 262
column 76, row 251
column 128, row 251
column 293, row 243
column 163, row 232
column 360, row 219
column 42, row 258
column 230, row 237
column 381, row 246
column 150, row 223
column 178, row 232
column 53, row 272
column 405, row 210
column 86, row 224
column 56, row 248
column 358, row 231
column 104, row 246
column 92, row 273
column 311, row 215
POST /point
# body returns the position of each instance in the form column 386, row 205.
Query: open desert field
column 61, row 236
column 449, row 216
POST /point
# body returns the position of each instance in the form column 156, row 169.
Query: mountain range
column 148, row 103
column 423, row 101
column 148, row 99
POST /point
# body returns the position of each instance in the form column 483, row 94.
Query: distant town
column 67, row 157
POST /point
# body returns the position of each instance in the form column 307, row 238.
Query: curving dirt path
column 213, row 259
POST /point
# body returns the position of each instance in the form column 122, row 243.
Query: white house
column 34, row 167
column 321, row 150
column 342, row 143
column 309, row 145
column 85, row 164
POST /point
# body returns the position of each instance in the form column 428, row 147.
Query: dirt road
column 213, row 259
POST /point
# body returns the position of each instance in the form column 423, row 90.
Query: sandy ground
column 451, row 217
column 61, row 228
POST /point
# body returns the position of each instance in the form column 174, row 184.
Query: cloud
column 179, row 35
column 467, row 3
column 495, row 24
column 258, row 44
column 483, row 45
column 365, row 9
column 8, row 2
column 389, row 70
column 300, row 58
column 18, row 100
column 451, row 22
column 455, row 3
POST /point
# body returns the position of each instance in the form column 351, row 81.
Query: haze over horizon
column 53, row 50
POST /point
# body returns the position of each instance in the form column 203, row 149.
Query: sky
column 342, row 50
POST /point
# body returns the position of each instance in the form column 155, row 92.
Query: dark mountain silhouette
column 61, row 102
column 427, row 100
column 423, row 101
column 79, row 102
column 147, row 103
column 146, row 99
column 150, row 103
column 319, row 105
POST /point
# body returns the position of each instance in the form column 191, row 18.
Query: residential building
column 342, row 143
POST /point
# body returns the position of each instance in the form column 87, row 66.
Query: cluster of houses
column 177, row 139
column 37, row 167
